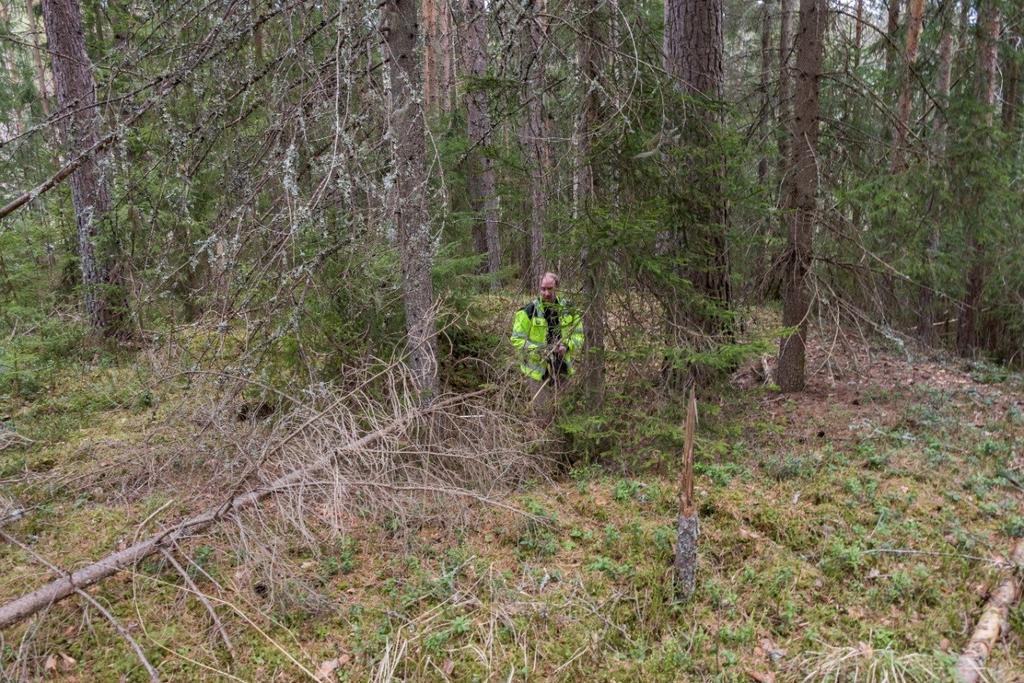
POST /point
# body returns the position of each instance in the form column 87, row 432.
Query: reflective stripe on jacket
column 530, row 337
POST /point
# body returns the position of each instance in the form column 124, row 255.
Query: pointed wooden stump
column 687, row 524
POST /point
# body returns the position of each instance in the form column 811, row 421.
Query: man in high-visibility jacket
column 548, row 335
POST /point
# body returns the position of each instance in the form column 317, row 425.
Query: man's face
column 547, row 289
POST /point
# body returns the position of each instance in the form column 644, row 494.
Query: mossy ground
column 871, row 511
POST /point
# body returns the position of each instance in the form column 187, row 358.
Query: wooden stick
column 687, row 523
column 993, row 621
column 686, row 505
column 25, row 606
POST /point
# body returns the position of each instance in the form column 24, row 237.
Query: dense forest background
column 258, row 266
column 275, row 164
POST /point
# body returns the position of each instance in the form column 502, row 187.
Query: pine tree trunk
column 785, row 80
column 796, row 307
column 901, row 129
column 892, row 28
column 858, row 33
column 585, row 184
column 765, row 115
column 437, row 56
column 90, row 194
column 415, row 251
column 693, row 55
column 483, row 194
column 943, row 79
column 430, row 93
column 534, row 137
column 10, row 70
column 37, row 58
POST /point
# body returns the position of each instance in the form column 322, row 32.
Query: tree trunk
column 901, row 129
column 534, row 137
column 437, row 56
column 858, row 33
column 257, row 34
column 10, row 70
column 810, row 41
column 483, row 194
column 585, row 185
column 785, row 82
column 974, row 285
column 892, row 28
column 90, row 194
column 693, row 55
column 943, row 79
column 415, row 251
column 765, row 115
column 37, row 58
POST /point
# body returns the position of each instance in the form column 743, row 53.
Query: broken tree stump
column 687, row 524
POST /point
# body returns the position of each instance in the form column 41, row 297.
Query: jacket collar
column 539, row 303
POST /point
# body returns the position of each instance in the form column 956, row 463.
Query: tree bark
column 901, row 129
column 585, row 185
column 483, row 194
column 858, row 33
column 693, row 55
column 892, row 28
column 415, row 248
column 534, row 136
column 37, row 58
column 943, row 79
column 785, row 94
column 796, row 307
column 90, row 194
column 437, row 56
column 766, row 113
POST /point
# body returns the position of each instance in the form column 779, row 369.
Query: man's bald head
column 548, row 287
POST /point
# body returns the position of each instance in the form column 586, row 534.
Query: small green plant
column 341, row 559
column 1014, row 527
column 841, row 558
column 625, row 490
column 878, row 461
column 719, row 473
column 788, row 466
column 200, row 560
column 610, row 567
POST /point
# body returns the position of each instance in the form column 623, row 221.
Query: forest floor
column 857, row 526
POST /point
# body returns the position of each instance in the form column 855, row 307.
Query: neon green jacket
column 530, row 335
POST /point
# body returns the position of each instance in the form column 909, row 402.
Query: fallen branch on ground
column 992, row 623
column 71, row 583
column 153, row 676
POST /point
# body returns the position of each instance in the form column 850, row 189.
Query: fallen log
column 72, row 582
column 993, row 622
